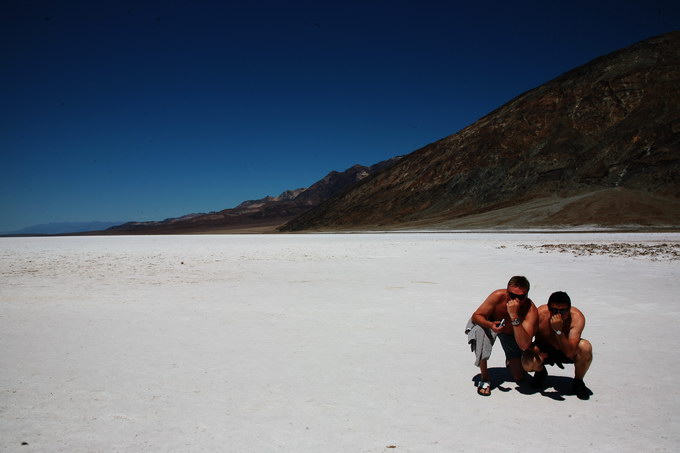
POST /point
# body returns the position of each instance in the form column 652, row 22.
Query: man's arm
column 569, row 343
column 485, row 311
column 525, row 330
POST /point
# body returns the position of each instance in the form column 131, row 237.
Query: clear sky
column 143, row 110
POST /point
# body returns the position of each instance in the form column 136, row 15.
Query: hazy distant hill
column 63, row 227
column 258, row 215
column 597, row 145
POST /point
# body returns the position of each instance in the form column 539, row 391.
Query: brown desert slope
column 599, row 145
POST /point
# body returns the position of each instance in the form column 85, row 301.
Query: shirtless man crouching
column 512, row 315
column 558, row 341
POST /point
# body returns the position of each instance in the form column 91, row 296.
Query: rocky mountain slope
column 598, row 145
column 258, row 215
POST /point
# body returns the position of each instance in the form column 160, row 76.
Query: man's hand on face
column 513, row 307
column 556, row 322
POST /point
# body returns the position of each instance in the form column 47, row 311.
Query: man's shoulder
column 542, row 311
column 576, row 313
column 498, row 295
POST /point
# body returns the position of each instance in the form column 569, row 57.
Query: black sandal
column 483, row 385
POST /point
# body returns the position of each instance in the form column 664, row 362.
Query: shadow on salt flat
column 555, row 387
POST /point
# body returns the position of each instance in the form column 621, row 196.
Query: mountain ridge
column 257, row 215
column 612, row 122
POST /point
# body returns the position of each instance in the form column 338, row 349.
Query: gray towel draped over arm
column 481, row 340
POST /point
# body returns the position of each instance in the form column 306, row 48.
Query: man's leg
column 513, row 355
column 532, row 360
column 583, row 359
column 515, row 365
column 484, row 372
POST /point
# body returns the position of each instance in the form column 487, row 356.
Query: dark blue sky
column 115, row 110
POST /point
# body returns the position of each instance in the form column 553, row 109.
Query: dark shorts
column 555, row 356
column 510, row 346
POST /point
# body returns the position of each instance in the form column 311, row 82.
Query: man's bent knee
column 531, row 361
column 585, row 350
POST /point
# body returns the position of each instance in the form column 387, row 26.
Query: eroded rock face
column 613, row 122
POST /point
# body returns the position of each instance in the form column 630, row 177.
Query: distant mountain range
column 61, row 228
column 258, row 215
column 599, row 145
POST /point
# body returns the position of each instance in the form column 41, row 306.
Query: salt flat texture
column 321, row 343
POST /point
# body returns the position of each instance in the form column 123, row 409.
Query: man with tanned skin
column 512, row 315
column 558, row 340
